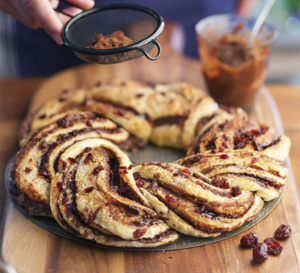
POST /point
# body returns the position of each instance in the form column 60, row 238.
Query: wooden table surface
column 225, row 256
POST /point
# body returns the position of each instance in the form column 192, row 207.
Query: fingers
column 84, row 4
column 27, row 19
column 41, row 13
column 46, row 16
column 71, row 11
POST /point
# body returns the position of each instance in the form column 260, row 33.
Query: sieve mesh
column 139, row 23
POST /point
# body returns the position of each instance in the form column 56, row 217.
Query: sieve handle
column 147, row 55
column 70, row 4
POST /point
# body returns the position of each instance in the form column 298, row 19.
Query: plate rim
column 179, row 244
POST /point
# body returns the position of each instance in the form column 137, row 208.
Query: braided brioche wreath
column 73, row 166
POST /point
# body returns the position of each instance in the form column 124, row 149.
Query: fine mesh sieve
column 139, row 23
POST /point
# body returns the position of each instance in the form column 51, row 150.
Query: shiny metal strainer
column 139, row 23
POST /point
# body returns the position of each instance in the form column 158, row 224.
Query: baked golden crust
column 176, row 115
column 51, row 111
column 71, row 165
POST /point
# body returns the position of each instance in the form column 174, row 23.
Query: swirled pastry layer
column 35, row 164
column 236, row 131
column 92, row 193
column 190, row 204
column 251, row 171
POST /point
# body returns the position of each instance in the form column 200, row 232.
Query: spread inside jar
column 233, row 68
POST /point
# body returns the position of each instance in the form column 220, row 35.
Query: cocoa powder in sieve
column 113, row 40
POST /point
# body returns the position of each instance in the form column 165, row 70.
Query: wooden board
column 31, row 249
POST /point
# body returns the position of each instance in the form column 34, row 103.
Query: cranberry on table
column 274, row 248
column 283, row 232
column 260, row 252
column 249, row 240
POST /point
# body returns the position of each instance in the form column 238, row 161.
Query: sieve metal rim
column 150, row 38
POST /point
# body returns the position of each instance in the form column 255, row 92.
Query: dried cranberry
column 122, row 190
column 139, row 183
column 220, row 182
column 213, row 151
column 63, row 164
column 187, row 171
column 139, row 233
column 170, row 199
column 254, row 160
column 221, row 149
column 45, row 144
column 97, row 170
column 88, row 158
column 65, row 122
column 89, row 189
column 123, row 171
column 137, row 176
column 72, row 160
column 236, row 191
column 88, row 123
column 156, row 175
column 64, row 200
column 87, row 149
column 144, row 164
column 260, row 252
column 239, row 138
column 28, row 170
column 274, row 248
column 121, row 112
column 92, row 215
column 249, row 240
column 59, row 185
column 283, row 232
column 255, row 132
column 224, row 156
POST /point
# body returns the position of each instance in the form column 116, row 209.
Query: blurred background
column 284, row 64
